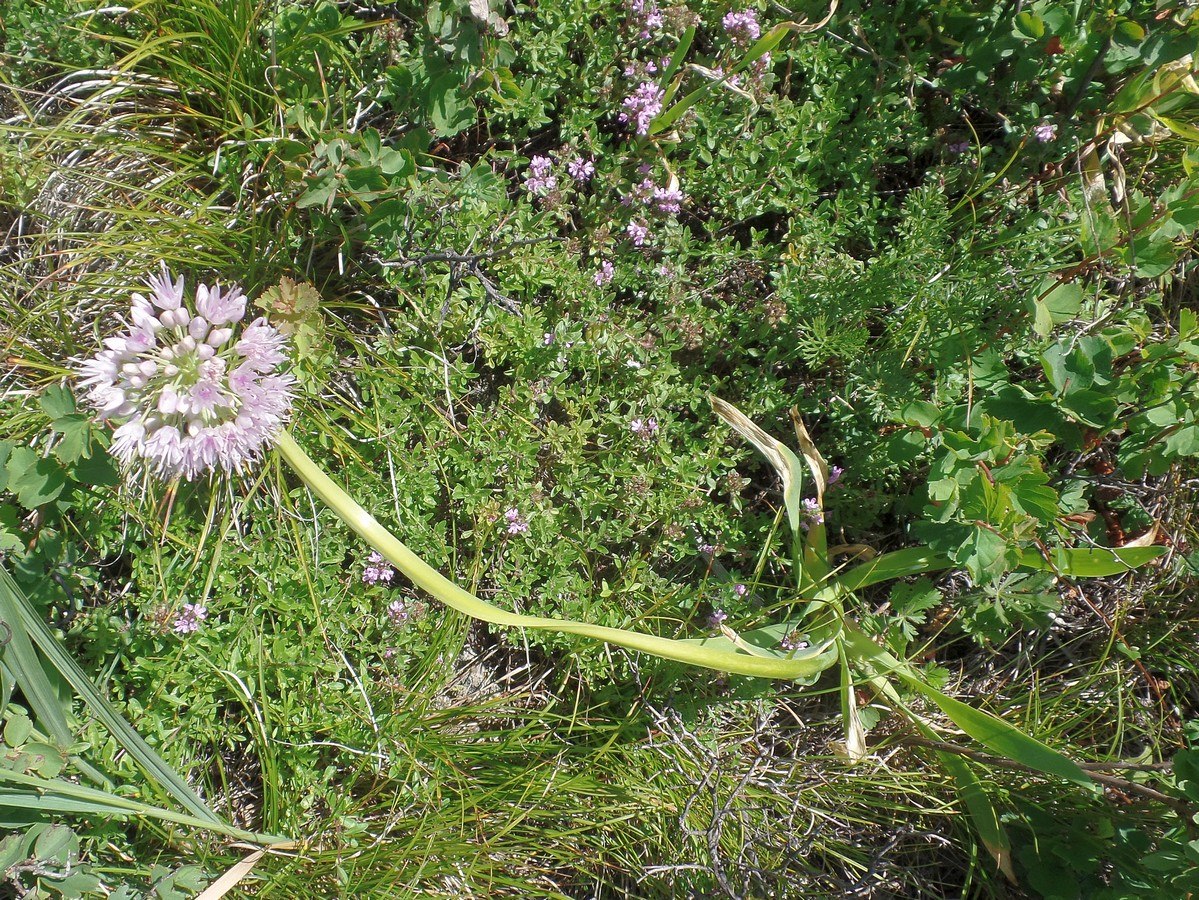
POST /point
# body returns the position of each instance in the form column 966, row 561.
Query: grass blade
column 11, row 598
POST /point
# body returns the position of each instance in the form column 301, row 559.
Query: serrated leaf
column 96, row 470
column 76, row 441
column 34, row 479
column 57, row 401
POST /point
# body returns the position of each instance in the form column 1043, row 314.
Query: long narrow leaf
column 55, row 795
column 989, row 730
column 26, row 667
column 785, row 462
column 98, row 704
column 982, row 812
column 900, row 563
column 1090, row 562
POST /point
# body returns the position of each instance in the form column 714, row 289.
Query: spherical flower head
column 187, row 395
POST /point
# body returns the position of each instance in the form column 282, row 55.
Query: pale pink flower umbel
column 186, row 394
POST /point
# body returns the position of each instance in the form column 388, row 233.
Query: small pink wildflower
column 540, row 180
column 604, row 273
column 516, row 523
column 398, row 613
column 668, row 200
column 638, row 233
column 377, row 569
column 645, row 429
column 742, row 27
column 1045, row 132
column 189, row 618
column 642, row 106
column 581, row 169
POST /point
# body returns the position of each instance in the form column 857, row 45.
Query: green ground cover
column 517, row 249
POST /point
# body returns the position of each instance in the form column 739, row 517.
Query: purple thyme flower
column 540, row 180
column 638, row 233
column 717, row 619
column 813, row 514
column 760, row 66
column 1045, row 132
column 668, row 200
column 793, row 641
column 185, row 396
column 958, row 147
column 516, row 524
column 581, row 169
column 642, row 106
column 644, row 428
column 742, row 27
column 547, row 338
column 377, row 569
column 604, row 273
column 705, row 548
column 740, row 590
column 397, row 612
column 834, row 475
column 189, row 618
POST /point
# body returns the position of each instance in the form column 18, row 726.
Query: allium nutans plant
column 192, row 389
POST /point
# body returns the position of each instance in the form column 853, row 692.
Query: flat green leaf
column 1090, row 562
column 320, row 191
column 982, row 812
column 1029, row 26
column 898, row 564
column 1000, row 737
